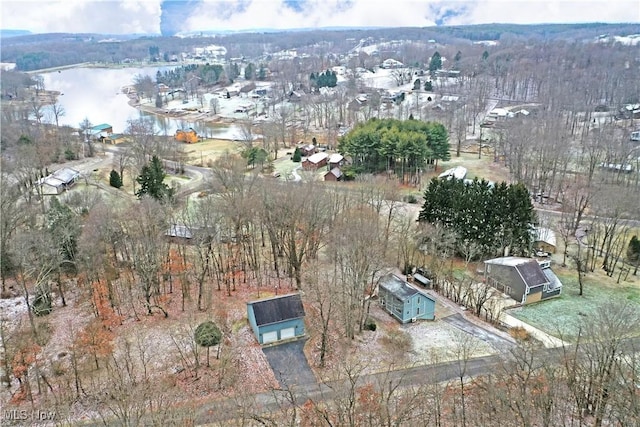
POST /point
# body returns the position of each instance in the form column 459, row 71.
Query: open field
column 201, row 153
column 562, row 317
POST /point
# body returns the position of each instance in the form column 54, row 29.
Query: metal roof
column 66, row 175
column 277, row 309
column 399, row 287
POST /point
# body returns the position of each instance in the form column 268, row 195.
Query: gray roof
column 554, row 282
column 398, row 287
column 527, row 268
column 336, row 172
column 66, row 175
column 178, row 230
column 277, row 309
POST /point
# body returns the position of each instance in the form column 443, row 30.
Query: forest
column 124, row 298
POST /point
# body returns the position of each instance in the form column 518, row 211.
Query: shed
column 276, row 319
column 544, row 239
column 421, row 280
column 334, row 174
column 403, row 301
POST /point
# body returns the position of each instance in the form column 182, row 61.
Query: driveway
column 494, row 340
column 289, row 364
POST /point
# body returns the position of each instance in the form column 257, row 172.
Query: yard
column 563, row 316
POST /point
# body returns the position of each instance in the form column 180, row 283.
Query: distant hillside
column 13, row 33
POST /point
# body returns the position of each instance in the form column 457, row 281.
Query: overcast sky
column 145, row 16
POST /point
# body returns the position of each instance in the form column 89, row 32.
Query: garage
column 287, row 333
column 277, row 319
column 269, row 337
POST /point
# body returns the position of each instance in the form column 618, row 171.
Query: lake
column 95, row 94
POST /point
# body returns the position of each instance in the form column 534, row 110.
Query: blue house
column 403, row 301
column 276, row 319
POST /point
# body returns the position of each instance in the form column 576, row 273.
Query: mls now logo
column 23, row 415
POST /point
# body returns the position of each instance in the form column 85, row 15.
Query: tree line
column 487, row 219
column 404, row 147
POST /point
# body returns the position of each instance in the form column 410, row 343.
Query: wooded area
column 115, row 287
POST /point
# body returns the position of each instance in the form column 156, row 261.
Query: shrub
column 370, row 324
column 69, row 154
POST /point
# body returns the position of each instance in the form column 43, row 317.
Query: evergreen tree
column 485, row 55
column 207, row 334
column 435, row 63
column 428, row 86
column 159, row 102
column 151, row 180
column 633, row 253
column 115, row 180
column 494, row 217
column 249, row 71
column 262, row 72
column 64, row 226
column 297, row 156
column 416, row 84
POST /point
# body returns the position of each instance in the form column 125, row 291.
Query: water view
column 96, row 94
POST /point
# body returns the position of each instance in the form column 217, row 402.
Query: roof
column 399, row 288
column 66, row 175
column 101, row 127
column 554, row 282
column 336, row 158
column 277, row 309
column 546, row 235
column 318, row 157
column 335, row 172
column 177, row 230
column 528, row 269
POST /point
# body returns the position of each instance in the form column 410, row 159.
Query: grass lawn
column 563, row 315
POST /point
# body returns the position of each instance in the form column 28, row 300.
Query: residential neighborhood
column 380, row 226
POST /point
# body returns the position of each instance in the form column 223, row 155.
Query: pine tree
column 151, row 180
column 435, row 63
column 207, row 335
column 115, row 180
column 297, row 156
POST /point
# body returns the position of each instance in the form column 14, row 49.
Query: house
column 59, row 181
column 391, row 64
column 403, row 301
column 307, row 149
column 114, row 138
column 189, row 136
column 334, row 175
column 523, row 279
column 336, row 160
column 276, row 319
column 458, row 172
column 315, row 161
column 102, row 128
column 544, row 240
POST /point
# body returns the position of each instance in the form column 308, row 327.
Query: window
column 418, row 311
column 418, row 300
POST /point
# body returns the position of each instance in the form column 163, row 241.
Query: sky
column 150, row 16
